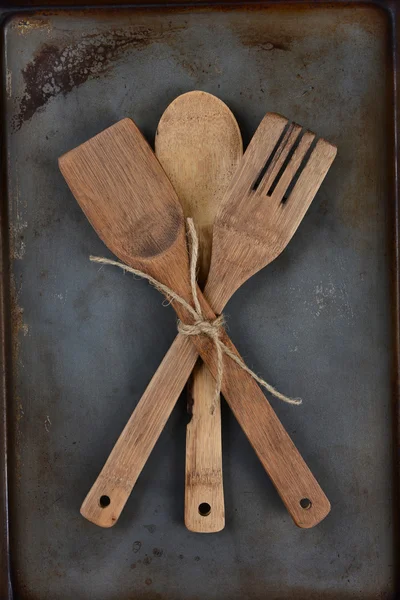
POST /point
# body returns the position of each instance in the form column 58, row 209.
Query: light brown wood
column 204, row 491
column 199, row 145
column 121, row 199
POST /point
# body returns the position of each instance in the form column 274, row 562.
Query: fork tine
column 261, row 146
column 309, row 182
column 279, row 157
column 293, row 166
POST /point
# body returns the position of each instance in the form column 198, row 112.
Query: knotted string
column 200, row 326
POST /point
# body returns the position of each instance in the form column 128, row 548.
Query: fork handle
column 299, row 490
column 296, row 485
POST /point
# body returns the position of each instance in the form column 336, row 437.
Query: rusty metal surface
column 317, row 322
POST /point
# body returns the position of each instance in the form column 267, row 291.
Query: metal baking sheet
column 81, row 343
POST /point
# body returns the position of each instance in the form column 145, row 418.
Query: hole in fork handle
column 305, row 503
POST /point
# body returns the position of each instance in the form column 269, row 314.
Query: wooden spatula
column 199, row 145
column 134, row 209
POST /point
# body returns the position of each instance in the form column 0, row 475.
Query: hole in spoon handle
column 204, row 509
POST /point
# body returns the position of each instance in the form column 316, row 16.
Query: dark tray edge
column 5, row 564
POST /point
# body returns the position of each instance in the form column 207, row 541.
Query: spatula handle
column 112, row 488
column 299, row 490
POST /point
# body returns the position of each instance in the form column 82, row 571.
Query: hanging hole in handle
column 104, row 501
column 305, row 503
column 204, row 509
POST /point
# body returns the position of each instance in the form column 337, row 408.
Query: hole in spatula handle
column 104, row 501
column 204, row 509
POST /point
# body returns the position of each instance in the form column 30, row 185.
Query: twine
column 200, row 326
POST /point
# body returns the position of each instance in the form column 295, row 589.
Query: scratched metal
column 316, row 323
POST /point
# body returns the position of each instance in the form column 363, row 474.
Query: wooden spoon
column 199, row 145
column 135, row 211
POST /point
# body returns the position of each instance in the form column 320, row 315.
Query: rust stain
column 263, row 36
column 254, row 33
column 254, row 36
column 17, row 320
column 58, row 69
column 25, row 26
column 17, row 250
column 19, row 413
column 17, row 325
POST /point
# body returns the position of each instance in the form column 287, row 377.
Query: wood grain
column 137, row 440
column 199, row 145
column 121, row 199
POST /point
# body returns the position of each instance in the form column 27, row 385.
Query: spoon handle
column 204, row 490
column 296, row 485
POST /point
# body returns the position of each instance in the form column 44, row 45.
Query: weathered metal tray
column 80, row 344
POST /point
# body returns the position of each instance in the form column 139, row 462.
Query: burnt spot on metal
column 158, row 552
column 136, row 546
column 58, row 69
column 268, row 46
column 253, row 35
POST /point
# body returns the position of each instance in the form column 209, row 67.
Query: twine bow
column 200, row 325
